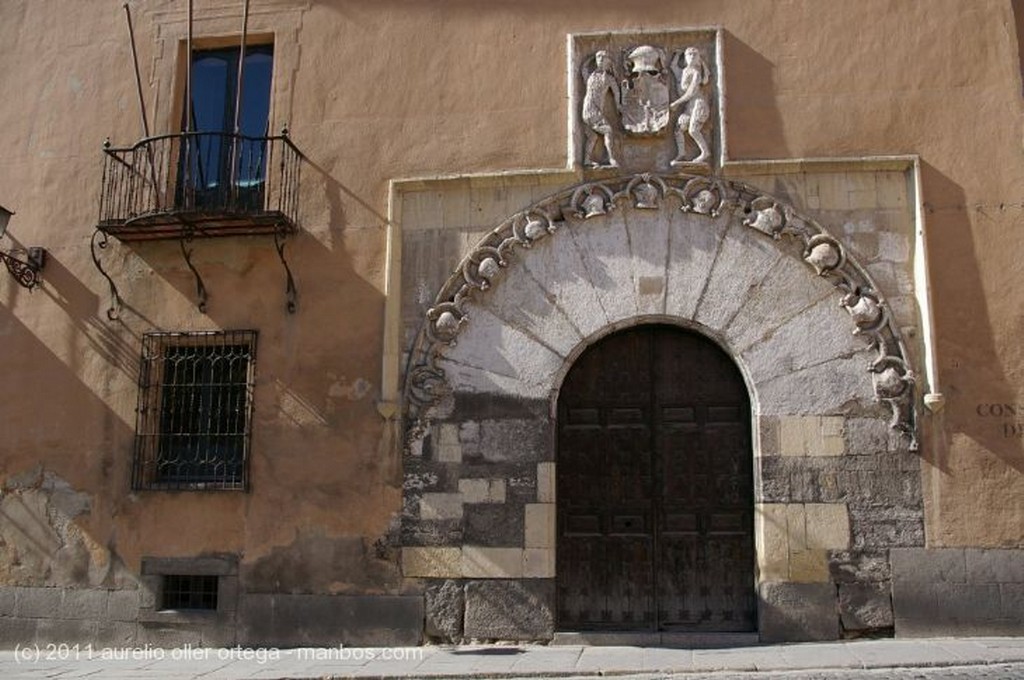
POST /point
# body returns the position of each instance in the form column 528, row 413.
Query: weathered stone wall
column 118, row 619
column 958, row 591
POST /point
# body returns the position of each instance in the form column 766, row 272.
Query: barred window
column 195, row 410
column 189, row 591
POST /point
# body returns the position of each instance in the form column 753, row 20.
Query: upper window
column 195, row 410
column 220, row 172
column 219, row 169
column 215, row 90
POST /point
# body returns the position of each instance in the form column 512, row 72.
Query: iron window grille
column 189, row 591
column 195, row 410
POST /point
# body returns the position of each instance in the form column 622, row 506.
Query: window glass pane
column 203, row 390
column 213, row 84
column 253, row 121
column 259, row 65
column 220, row 172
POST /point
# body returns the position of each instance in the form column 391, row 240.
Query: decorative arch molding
column 712, row 199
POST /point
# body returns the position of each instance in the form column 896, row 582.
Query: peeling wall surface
column 485, row 191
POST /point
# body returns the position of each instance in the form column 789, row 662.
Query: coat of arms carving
column 645, row 92
column 648, row 105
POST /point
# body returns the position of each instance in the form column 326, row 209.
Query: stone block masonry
column 39, row 615
column 958, row 591
column 115, row 618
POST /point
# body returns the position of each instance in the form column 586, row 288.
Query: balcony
column 200, row 184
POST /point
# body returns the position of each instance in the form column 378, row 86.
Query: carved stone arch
column 786, row 298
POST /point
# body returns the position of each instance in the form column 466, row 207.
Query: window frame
column 189, row 592
column 207, row 624
column 165, row 431
column 173, row 116
column 216, row 169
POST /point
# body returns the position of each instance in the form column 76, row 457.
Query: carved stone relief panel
column 647, row 101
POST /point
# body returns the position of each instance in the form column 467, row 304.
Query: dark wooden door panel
column 655, row 489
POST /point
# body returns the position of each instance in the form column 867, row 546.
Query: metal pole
column 142, row 104
column 138, row 77
column 238, row 99
column 188, row 72
column 241, row 66
column 187, row 190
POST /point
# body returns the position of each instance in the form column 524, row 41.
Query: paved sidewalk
column 961, row 657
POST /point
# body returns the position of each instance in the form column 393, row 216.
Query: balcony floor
column 179, row 224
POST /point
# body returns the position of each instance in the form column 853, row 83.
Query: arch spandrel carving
column 586, row 253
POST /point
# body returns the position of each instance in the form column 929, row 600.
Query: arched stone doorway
column 831, row 390
column 655, row 487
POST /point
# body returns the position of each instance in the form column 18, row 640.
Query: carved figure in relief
column 766, row 217
column 593, row 205
column 865, row 309
column 693, row 79
column 824, row 254
column 600, row 83
column 704, row 202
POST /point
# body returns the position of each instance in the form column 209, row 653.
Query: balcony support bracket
column 200, row 286
column 100, row 241
column 291, row 293
column 187, row 185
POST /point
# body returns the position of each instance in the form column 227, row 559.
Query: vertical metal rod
column 142, row 99
column 138, row 77
column 187, row 190
column 238, row 99
column 241, row 66
column 188, row 72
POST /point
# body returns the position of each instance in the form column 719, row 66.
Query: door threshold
column 600, row 638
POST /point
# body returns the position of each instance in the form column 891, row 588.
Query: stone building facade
column 536, row 324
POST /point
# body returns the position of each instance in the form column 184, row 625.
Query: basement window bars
column 189, row 591
column 195, row 410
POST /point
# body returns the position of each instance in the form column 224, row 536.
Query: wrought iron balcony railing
column 200, row 184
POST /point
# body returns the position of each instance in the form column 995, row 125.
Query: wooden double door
column 655, row 487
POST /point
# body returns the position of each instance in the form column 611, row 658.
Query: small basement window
column 189, row 591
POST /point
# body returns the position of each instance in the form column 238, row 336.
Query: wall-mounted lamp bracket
column 26, row 272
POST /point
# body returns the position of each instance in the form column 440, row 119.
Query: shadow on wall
column 44, row 512
column 752, row 114
column 315, row 419
column 92, row 331
column 971, row 374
